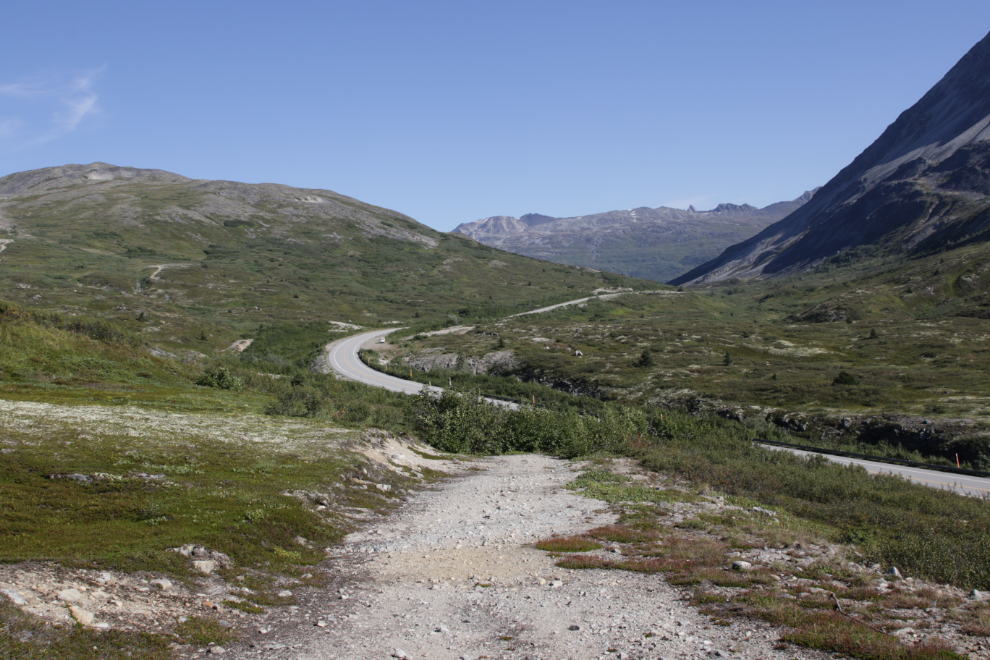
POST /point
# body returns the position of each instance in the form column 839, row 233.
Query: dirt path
column 451, row 575
column 160, row 267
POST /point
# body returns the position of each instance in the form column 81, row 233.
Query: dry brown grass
column 621, row 534
column 568, row 544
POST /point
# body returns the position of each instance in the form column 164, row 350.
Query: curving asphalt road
column 342, row 358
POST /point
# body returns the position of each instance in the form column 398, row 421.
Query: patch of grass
column 246, row 499
column 622, row 534
column 578, row 562
column 831, row 632
column 244, row 606
column 202, row 631
column 567, row 544
column 25, row 637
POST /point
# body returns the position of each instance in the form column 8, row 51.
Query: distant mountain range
column 922, row 186
column 656, row 244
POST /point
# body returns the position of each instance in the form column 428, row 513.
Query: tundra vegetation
column 130, row 423
column 898, row 349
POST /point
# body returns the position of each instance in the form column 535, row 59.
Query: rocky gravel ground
column 453, row 575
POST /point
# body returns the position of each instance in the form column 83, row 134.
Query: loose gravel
column 453, row 575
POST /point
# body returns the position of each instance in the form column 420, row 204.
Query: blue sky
column 454, row 111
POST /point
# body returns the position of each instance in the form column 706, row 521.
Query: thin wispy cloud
column 47, row 106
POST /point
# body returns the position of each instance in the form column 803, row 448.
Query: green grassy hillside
column 194, row 264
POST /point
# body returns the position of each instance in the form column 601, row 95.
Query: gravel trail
column 451, row 576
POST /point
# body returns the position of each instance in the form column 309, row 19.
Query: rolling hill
column 199, row 261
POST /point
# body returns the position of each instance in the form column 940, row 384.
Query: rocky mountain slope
column 658, row 243
column 922, row 186
column 194, row 254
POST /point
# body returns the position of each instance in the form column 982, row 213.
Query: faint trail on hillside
column 160, row 267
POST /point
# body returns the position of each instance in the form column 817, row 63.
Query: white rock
column 285, row 593
column 70, row 595
column 556, row 583
column 893, row 572
column 15, row 597
column 903, row 631
column 82, row 616
column 162, row 584
column 741, row 566
column 399, row 653
column 204, row 566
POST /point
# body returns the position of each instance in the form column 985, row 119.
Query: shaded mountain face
column 657, row 244
column 921, row 186
column 97, row 237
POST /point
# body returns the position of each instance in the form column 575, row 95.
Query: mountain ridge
column 920, row 185
column 655, row 243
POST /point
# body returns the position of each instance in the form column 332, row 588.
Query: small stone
column 204, row 566
column 555, row 584
column 741, row 565
column 974, row 594
column 399, row 653
column 82, row 616
column 903, row 631
column 223, row 623
column 892, row 571
column 216, row 650
column 574, row 627
column 321, row 624
column 162, row 584
column 15, row 597
column 70, row 595
column 443, row 629
column 285, row 593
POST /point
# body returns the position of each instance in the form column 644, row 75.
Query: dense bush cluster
column 221, row 378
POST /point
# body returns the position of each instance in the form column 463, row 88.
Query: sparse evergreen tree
column 645, row 358
column 727, row 360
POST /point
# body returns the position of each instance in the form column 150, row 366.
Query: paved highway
column 960, row 483
column 342, row 358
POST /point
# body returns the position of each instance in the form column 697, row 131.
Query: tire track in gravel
column 414, row 585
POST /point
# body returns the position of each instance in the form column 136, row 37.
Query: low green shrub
column 221, row 378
